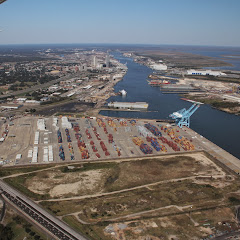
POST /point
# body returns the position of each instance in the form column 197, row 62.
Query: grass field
column 92, row 178
column 17, row 228
column 178, row 193
column 7, row 171
column 149, row 197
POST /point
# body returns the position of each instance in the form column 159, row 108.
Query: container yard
column 67, row 139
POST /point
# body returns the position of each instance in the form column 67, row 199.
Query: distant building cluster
column 83, row 74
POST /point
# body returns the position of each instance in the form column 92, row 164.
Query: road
column 36, row 214
column 101, row 194
column 36, row 87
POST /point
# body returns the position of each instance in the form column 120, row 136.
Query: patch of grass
column 137, row 173
column 183, row 193
column 7, row 171
column 89, row 166
column 18, row 228
column 94, row 232
column 213, row 216
column 112, row 178
column 234, row 200
column 20, row 184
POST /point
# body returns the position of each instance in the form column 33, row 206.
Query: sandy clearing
column 89, row 181
column 59, row 184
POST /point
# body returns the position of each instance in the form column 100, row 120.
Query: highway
column 36, row 214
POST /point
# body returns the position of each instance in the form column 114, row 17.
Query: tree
column 6, row 233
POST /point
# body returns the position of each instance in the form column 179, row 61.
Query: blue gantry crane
column 182, row 116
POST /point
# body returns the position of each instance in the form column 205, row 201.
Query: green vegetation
column 113, row 176
column 56, row 100
column 94, row 232
column 218, row 79
column 20, row 184
column 234, row 200
column 7, row 171
column 181, row 59
column 121, row 204
column 89, row 166
column 17, row 228
column 221, row 104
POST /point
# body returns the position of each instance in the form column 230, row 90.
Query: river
column 221, row 128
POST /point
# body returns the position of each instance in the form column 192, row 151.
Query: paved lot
column 21, row 139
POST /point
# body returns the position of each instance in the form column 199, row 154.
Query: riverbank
column 183, row 60
column 217, row 126
column 215, row 102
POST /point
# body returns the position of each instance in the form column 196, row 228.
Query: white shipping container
column 18, row 156
column 35, row 155
column 45, row 158
column 66, row 123
column 30, row 153
column 41, row 124
column 36, row 138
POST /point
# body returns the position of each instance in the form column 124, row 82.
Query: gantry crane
column 182, row 116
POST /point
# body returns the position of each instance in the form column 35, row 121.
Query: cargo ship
column 158, row 82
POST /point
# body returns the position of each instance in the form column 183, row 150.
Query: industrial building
column 205, row 72
column 158, row 66
column 128, row 105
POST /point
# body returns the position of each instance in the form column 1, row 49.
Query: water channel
column 221, row 128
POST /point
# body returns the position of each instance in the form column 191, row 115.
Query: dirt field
column 168, row 197
column 96, row 178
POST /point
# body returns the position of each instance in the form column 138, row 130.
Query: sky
column 180, row 22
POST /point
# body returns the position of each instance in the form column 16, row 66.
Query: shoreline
column 215, row 101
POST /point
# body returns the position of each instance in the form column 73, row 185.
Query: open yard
column 92, row 178
column 177, row 196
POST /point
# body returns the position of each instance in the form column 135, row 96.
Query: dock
column 125, row 110
column 217, row 152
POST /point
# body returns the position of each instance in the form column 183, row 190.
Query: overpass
column 49, row 223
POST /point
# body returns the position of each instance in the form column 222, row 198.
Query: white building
column 95, row 62
column 128, row 105
column 205, row 72
column 32, row 102
column 21, row 100
column 159, row 66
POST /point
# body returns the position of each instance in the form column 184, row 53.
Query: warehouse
column 205, row 72
column 128, row 105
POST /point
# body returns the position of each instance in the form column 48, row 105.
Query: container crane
column 182, row 117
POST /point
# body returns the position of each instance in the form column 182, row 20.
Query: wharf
column 179, row 92
column 218, row 153
column 124, row 110
column 121, row 130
